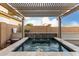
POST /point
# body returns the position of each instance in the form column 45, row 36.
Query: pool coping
column 70, row 45
column 9, row 50
column 12, row 47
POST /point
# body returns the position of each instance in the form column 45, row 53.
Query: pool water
column 42, row 45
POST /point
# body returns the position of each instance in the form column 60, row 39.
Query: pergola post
column 23, row 28
column 59, row 27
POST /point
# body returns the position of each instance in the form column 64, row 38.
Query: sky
column 71, row 20
column 41, row 21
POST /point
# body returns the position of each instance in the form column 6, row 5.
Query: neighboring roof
column 43, row 9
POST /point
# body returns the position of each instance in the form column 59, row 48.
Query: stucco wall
column 5, row 33
column 41, row 29
column 51, row 29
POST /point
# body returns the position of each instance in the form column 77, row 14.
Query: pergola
column 44, row 9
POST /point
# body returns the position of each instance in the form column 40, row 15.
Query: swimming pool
column 43, row 45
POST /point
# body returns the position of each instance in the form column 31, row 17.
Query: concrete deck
column 9, row 50
column 72, row 37
column 43, row 54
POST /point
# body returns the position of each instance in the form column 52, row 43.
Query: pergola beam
column 75, row 8
column 15, row 10
column 59, row 27
column 23, row 28
column 5, row 14
column 10, row 8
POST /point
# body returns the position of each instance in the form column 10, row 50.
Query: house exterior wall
column 5, row 33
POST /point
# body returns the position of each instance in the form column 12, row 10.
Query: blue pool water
column 45, row 45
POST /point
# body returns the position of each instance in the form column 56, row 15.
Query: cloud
column 36, row 21
column 54, row 22
column 27, row 18
column 41, row 21
column 45, row 21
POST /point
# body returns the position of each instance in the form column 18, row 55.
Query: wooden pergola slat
column 25, row 8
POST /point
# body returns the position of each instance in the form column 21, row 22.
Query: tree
column 28, row 27
column 49, row 25
column 29, row 24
